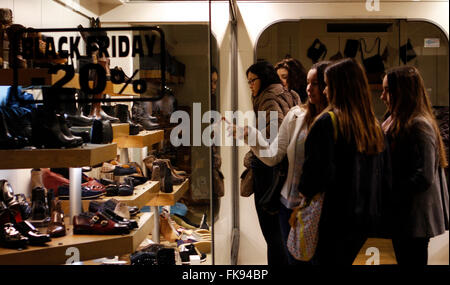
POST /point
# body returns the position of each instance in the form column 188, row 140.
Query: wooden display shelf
column 142, row 194
column 37, row 76
column 169, row 199
column 119, row 129
column 89, row 246
column 86, row 155
column 144, row 138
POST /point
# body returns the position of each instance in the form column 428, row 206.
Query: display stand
column 73, row 248
column 142, row 194
column 73, row 158
column 165, row 199
column 119, row 129
column 143, row 140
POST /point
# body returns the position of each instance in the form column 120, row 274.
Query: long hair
column 265, row 72
column 311, row 110
column 296, row 76
column 351, row 100
column 408, row 100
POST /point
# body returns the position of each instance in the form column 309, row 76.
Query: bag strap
column 335, row 127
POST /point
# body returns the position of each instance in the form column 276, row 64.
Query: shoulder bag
column 304, row 221
column 270, row 200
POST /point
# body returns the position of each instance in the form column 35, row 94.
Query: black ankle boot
column 140, row 116
column 77, row 141
column 47, row 131
column 123, row 114
column 39, row 208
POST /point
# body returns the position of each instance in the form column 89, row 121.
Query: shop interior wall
column 254, row 18
column 37, row 14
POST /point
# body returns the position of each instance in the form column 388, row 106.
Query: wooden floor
column 386, row 252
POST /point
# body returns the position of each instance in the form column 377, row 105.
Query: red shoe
column 53, row 180
column 97, row 224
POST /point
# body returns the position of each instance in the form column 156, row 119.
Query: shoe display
column 122, row 171
column 86, row 193
column 25, row 208
column 39, row 207
column 66, row 131
column 47, row 132
column 140, row 116
column 7, row 194
column 186, row 250
column 163, row 164
column 97, row 224
column 52, row 180
column 112, row 190
column 34, row 236
column 10, row 237
column 56, row 226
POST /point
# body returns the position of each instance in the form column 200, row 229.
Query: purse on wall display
column 351, row 48
column 373, row 65
column 407, row 52
column 317, row 50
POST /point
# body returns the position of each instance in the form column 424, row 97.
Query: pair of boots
column 50, row 130
column 163, row 173
column 123, row 114
column 141, row 116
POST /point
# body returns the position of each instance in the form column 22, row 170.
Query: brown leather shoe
column 97, row 224
column 56, row 227
column 156, row 174
column 176, row 173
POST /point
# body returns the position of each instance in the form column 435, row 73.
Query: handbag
column 304, row 221
column 351, row 48
column 373, row 65
column 407, row 52
column 101, row 132
column 270, row 200
column 317, row 50
column 246, row 188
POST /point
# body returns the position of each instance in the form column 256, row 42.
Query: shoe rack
column 142, row 194
column 119, row 129
column 86, row 247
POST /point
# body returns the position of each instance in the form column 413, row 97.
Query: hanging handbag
column 246, row 188
column 373, row 65
column 407, row 52
column 304, row 221
column 317, row 50
column 351, row 48
column 270, row 200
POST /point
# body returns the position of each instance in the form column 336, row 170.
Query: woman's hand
column 236, row 131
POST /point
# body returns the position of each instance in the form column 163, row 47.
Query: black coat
column 356, row 185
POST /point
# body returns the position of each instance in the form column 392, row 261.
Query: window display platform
column 169, row 199
column 85, row 155
column 143, row 139
column 59, row 250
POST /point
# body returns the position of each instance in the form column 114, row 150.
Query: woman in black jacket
column 418, row 158
column 352, row 171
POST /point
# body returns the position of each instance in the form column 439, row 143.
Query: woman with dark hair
column 290, row 143
column 268, row 94
column 293, row 76
column 418, row 159
column 346, row 159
